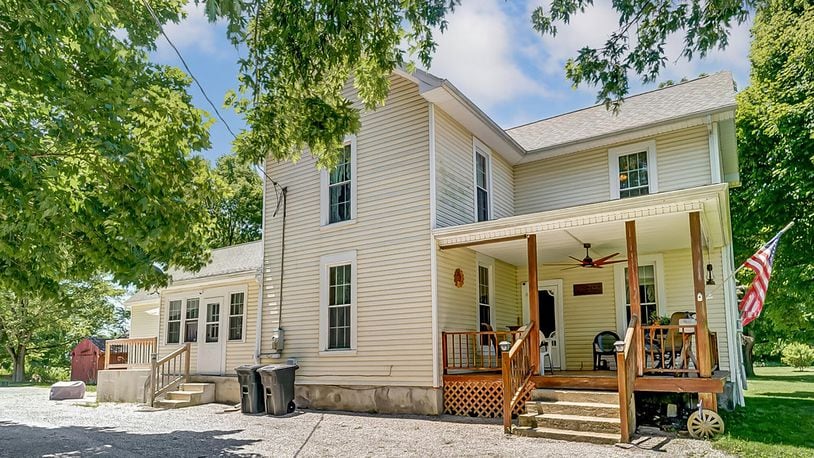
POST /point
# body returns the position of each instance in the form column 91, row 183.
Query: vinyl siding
column 455, row 175
column 144, row 320
column 236, row 352
column 682, row 159
column 391, row 237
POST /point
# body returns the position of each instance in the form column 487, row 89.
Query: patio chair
column 489, row 351
column 545, row 351
column 603, row 346
column 674, row 342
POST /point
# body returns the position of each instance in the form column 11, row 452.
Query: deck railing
column 474, row 350
column 670, row 348
column 169, row 371
column 626, row 372
column 129, row 353
column 517, row 369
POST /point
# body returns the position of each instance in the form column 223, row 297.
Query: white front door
column 549, row 294
column 211, row 337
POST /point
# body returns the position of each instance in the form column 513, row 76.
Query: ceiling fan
column 588, row 261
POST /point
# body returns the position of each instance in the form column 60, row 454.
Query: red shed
column 87, row 358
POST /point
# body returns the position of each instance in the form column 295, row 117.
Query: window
column 633, row 170
column 651, row 294
column 338, row 189
column 174, row 322
column 483, row 184
column 191, row 322
column 484, row 298
column 212, row 322
column 338, row 303
column 236, row 303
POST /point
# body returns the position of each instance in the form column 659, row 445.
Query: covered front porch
column 662, row 244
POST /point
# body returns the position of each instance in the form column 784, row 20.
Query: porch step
column 601, row 397
column 573, row 415
column 188, row 394
column 567, row 435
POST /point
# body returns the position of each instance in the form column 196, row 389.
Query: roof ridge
column 681, row 83
column 236, row 245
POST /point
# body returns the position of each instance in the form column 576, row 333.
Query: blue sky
column 489, row 51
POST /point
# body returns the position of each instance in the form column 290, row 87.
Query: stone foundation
column 122, row 385
column 372, row 399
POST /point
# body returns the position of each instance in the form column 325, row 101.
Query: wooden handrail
column 518, row 367
column 474, row 350
column 166, row 373
column 129, row 353
column 626, row 372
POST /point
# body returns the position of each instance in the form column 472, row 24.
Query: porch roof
column 662, row 225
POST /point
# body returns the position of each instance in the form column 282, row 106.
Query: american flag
column 761, row 263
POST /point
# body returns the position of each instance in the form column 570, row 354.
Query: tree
column 96, row 166
column 39, row 324
column 775, row 128
column 238, row 209
column 798, row 355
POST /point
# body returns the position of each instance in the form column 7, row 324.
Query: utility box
column 252, row 399
column 277, row 340
column 278, row 388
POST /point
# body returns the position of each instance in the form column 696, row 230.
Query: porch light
column 504, row 346
column 710, row 280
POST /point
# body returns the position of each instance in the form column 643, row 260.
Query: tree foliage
column 775, row 127
column 300, row 57
column 42, row 326
column 238, row 209
column 96, row 166
column 798, row 355
column 638, row 45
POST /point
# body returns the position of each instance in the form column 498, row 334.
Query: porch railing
column 474, row 350
column 129, row 353
column 626, row 357
column 517, row 369
column 169, row 371
column 670, row 348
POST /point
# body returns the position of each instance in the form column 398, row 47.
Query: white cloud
column 193, row 33
column 480, row 54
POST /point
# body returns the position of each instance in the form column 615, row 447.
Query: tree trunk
column 748, row 342
column 18, row 375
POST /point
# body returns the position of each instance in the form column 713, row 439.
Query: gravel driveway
column 31, row 425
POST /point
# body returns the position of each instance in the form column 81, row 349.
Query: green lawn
column 778, row 419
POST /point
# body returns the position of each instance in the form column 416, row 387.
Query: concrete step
column 579, row 423
column 590, row 409
column 199, row 387
column 568, row 435
column 601, row 397
column 189, row 396
column 172, row 403
column 527, row 419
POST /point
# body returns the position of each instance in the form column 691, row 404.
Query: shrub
column 798, row 355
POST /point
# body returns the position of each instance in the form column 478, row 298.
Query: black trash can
column 251, row 389
column 278, row 388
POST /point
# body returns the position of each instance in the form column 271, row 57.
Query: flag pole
column 734, row 272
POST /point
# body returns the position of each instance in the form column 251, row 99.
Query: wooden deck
column 607, row 381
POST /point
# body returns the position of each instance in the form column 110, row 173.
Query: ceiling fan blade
column 576, row 259
column 572, row 267
column 569, row 264
column 615, row 262
column 605, row 258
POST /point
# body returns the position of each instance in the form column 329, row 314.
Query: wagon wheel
column 705, row 424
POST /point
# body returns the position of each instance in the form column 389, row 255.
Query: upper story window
column 633, row 170
column 338, row 190
column 483, row 182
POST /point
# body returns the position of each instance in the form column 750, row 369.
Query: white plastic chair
column 545, row 351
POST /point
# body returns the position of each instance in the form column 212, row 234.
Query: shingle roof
column 694, row 97
column 141, row 296
column 245, row 257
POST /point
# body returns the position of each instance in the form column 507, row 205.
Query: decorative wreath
column 459, row 278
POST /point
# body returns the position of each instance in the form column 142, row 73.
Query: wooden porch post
column 699, row 293
column 534, row 309
column 633, row 286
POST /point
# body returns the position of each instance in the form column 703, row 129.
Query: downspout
column 258, row 332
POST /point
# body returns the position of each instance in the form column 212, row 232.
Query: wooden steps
column 188, row 394
column 573, row 415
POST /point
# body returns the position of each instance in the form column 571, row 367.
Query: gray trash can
column 278, row 388
column 251, row 389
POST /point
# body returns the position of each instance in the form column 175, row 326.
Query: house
column 440, row 235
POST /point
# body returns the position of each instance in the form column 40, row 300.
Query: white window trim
column 324, row 206
column 489, row 263
column 181, row 320
column 656, row 260
column 480, row 147
column 229, row 314
column 184, row 308
column 325, row 263
column 652, row 170
column 221, row 293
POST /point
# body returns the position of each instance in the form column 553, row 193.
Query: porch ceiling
column 662, row 224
